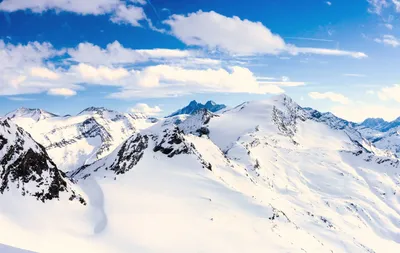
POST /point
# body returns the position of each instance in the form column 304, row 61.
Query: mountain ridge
column 193, row 106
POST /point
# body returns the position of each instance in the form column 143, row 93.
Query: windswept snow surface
column 267, row 177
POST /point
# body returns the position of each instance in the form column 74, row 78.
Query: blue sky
column 64, row 56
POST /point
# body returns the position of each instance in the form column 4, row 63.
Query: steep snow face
column 77, row 140
column 26, row 168
column 194, row 106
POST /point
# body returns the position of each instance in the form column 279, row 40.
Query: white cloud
column 216, row 31
column 121, row 11
column 61, row 92
column 128, row 15
column 20, row 99
column 165, row 80
column 23, row 68
column 376, row 6
column 354, row 75
column 236, row 36
column 358, row 112
column 397, row 5
column 100, row 74
column 324, row 51
column 389, row 40
column 335, row 97
column 146, row 109
column 44, row 73
column 389, row 26
column 328, row 3
column 115, row 53
column 390, row 93
column 97, row 7
column 370, row 92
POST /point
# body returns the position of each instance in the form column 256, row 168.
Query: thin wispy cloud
column 310, row 39
column 355, row 75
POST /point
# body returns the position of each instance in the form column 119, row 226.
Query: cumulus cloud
column 146, row 109
column 335, row 97
column 128, row 15
column 165, row 80
column 220, row 32
column 44, row 73
column 115, row 53
column 81, row 7
column 390, row 93
column 121, row 12
column 389, row 40
column 61, row 92
column 236, row 36
column 100, row 74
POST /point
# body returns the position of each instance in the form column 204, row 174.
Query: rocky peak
column 26, row 167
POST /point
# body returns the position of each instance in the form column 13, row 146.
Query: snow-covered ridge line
column 25, row 167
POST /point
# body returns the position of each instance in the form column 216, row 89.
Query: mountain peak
column 96, row 110
column 194, row 106
column 34, row 113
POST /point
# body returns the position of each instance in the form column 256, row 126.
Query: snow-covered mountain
column 384, row 135
column 380, row 124
column 26, row 168
column 193, row 106
column 265, row 176
column 73, row 141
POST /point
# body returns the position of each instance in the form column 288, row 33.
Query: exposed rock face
column 121, row 160
column 25, row 165
column 197, row 123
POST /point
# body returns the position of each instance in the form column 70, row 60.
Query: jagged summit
column 95, row 110
column 193, row 106
column 380, row 124
column 33, row 113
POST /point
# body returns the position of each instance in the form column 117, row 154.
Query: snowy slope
column 266, row 176
column 77, row 140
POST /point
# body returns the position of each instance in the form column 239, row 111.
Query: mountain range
column 282, row 178
column 194, row 106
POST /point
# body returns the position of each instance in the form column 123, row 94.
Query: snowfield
column 265, row 176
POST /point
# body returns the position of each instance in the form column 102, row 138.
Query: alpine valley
column 264, row 176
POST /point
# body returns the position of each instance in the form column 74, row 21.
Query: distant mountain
column 76, row 140
column 34, row 114
column 193, row 106
column 380, row 124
